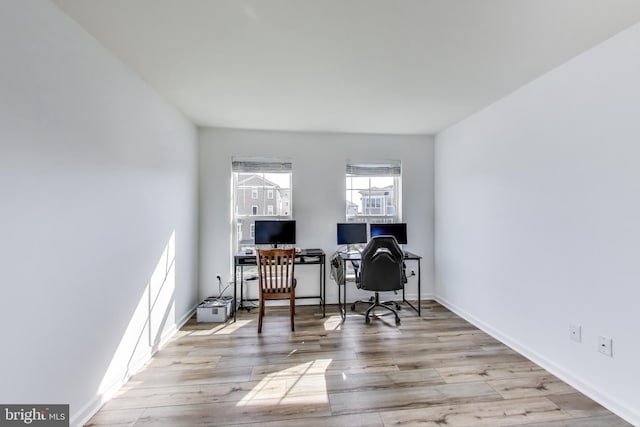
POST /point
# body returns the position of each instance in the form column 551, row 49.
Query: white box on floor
column 214, row 311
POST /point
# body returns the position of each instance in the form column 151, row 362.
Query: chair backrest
column 381, row 268
column 275, row 270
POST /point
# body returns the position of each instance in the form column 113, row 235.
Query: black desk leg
column 404, row 299
column 235, row 291
column 419, row 290
column 241, row 306
column 344, row 294
column 324, row 287
column 340, row 300
column 342, row 304
column 321, row 266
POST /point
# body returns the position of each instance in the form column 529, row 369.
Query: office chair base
column 376, row 303
column 369, row 301
column 372, row 300
column 367, row 319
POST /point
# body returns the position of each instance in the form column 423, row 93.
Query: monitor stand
column 353, row 248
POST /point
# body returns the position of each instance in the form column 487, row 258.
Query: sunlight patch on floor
column 206, row 332
column 220, row 328
column 232, row 327
column 333, row 323
column 302, row 384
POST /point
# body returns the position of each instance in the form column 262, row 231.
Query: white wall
column 318, row 195
column 537, row 220
column 98, row 188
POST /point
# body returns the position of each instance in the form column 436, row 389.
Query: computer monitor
column 397, row 230
column 270, row 232
column 352, row 233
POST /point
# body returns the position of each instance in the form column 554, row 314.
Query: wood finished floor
column 434, row 370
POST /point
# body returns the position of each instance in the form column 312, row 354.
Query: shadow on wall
column 147, row 327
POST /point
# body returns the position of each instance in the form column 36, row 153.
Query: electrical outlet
column 575, row 332
column 604, row 346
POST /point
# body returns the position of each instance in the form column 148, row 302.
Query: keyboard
column 312, row 252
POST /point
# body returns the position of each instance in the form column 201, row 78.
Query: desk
column 408, row 256
column 304, row 257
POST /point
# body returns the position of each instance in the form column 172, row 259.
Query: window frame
column 376, row 204
column 266, row 178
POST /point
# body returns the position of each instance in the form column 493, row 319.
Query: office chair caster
column 397, row 320
column 367, row 320
column 353, row 307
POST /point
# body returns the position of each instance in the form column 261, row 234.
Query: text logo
column 34, row 415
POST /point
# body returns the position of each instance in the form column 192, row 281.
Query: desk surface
column 246, row 258
column 356, row 256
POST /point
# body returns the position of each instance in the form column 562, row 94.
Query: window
column 252, row 180
column 252, row 231
column 373, row 192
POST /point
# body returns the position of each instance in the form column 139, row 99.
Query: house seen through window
column 261, row 190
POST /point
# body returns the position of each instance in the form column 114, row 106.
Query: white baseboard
column 91, row 408
column 565, row 375
column 423, row 297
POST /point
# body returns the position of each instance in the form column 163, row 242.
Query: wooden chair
column 275, row 278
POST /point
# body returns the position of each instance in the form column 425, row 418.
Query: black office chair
column 381, row 270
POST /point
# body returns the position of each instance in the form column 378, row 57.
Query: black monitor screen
column 275, row 232
column 349, row 234
column 397, row 230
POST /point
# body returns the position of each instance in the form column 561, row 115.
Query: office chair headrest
column 387, row 244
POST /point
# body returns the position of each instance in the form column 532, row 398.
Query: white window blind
column 373, row 169
column 252, row 166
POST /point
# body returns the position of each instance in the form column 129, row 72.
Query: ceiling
column 365, row 66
